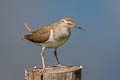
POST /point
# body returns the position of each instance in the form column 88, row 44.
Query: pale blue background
column 97, row 49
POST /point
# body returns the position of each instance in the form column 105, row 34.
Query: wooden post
column 54, row 73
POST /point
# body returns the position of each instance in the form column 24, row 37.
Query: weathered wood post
column 54, row 73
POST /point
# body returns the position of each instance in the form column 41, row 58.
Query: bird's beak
column 80, row 28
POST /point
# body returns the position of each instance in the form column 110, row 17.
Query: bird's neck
column 62, row 32
column 65, row 33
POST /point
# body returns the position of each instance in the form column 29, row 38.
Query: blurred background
column 97, row 49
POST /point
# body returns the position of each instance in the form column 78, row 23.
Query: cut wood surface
column 54, row 73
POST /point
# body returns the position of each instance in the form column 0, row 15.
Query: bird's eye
column 62, row 21
column 69, row 23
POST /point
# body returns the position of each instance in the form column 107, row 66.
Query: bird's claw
column 61, row 66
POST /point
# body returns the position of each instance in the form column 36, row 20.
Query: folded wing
column 39, row 36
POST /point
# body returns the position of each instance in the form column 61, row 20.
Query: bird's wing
column 39, row 36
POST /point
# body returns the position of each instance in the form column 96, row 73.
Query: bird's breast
column 58, row 40
column 63, row 35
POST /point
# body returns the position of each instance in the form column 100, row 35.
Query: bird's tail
column 28, row 28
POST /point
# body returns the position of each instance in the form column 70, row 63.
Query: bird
column 52, row 36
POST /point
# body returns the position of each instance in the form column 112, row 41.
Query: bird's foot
column 61, row 66
column 44, row 69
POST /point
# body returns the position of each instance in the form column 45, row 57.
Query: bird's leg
column 42, row 57
column 55, row 53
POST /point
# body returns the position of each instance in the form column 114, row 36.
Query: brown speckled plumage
column 67, row 19
column 39, row 36
column 42, row 35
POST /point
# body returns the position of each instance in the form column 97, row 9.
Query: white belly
column 54, row 43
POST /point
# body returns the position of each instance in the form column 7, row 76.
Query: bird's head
column 70, row 23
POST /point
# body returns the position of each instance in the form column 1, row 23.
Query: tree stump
column 54, row 73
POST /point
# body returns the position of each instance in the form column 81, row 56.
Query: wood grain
column 54, row 73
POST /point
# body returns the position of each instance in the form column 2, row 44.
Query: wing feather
column 39, row 36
